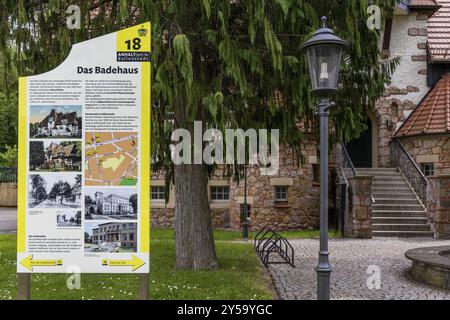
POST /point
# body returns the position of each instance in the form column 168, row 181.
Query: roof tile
column 439, row 33
column 433, row 113
column 423, row 3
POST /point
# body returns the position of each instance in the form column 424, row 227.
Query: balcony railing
column 401, row 159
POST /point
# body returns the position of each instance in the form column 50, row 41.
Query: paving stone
column 350, row 259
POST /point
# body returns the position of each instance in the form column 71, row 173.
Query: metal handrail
column 411, row 160
column 401, row 159
column 346, row 160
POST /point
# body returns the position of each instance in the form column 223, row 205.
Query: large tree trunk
column 194, row 241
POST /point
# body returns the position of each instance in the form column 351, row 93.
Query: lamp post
column 324, row 53
column 245, row 213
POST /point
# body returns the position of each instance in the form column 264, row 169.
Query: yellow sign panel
column 135, row 39
column 71, row 211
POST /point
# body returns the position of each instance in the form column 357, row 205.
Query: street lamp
column 245, row 210
column 324, row 52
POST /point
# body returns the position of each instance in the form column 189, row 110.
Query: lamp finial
column 324, row 22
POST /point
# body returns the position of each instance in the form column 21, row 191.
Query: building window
column 158, row 193
column 427, row 169
column 281, row 193
column 220, row 193
column 316, row 172
column 131, row 236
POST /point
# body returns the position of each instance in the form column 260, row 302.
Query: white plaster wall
column 405, row 46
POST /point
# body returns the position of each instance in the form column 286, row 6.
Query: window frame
column 427, row 168
column 277, row 193
column 222, row 192
column 158, row 193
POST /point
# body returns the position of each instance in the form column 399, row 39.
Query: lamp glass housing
column 324, row 62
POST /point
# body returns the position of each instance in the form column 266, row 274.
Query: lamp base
column 324, row 92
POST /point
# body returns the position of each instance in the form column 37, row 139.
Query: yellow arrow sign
column 135, row 262
column 29, row 263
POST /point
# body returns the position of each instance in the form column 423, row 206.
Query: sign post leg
column 24, row 286
column 144, row 279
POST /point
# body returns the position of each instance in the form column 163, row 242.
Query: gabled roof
column 57, row 150
column 58, row 117
column 432, row 116
column 439, row 33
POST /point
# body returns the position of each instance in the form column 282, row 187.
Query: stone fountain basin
column 431, row 266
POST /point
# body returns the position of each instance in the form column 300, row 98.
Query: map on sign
column 111, row 158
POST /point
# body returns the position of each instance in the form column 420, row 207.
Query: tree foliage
column 37, row 154
column 229, row 63
column 9, row 157
column 236, row 64
column 34, row 39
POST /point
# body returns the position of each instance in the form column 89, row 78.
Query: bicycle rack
column 267, row 242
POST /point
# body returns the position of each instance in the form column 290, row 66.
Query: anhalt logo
column 142, row 32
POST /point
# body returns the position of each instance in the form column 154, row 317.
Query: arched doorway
column 364, row 151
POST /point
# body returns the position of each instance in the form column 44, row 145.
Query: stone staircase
column 397, row 212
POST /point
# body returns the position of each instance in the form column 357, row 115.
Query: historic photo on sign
column 68, row 219
column 110, row 237
column 47, row 191
column 57, row 122
column 55, row 156
column 110, row 204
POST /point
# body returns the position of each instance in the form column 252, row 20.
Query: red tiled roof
column 432, row 116
column 439, row 33
column 423, row 3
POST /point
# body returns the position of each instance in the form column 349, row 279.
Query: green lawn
column 240, row 275
column 221, row 235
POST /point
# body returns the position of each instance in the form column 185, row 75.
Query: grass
column 240, row 275
column 225, row 235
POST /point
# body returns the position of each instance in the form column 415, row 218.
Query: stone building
column 65, row 157
column 407, row 146
column 112, row 204
column 125, row 233
column 58, row 124
column 394, row 173
column 289, row 200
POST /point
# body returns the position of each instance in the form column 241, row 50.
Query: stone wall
column 430, row 149
column 302, row 208
column 164, row 217
column 8, row 194
column 409, row 81
column 391, row 111
column 162, row 214
column 300, row 212
column 439, row 206
column 360, row 207
column 408, row 42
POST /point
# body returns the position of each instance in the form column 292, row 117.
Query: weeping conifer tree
column 236, row 64
column 229, row 64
